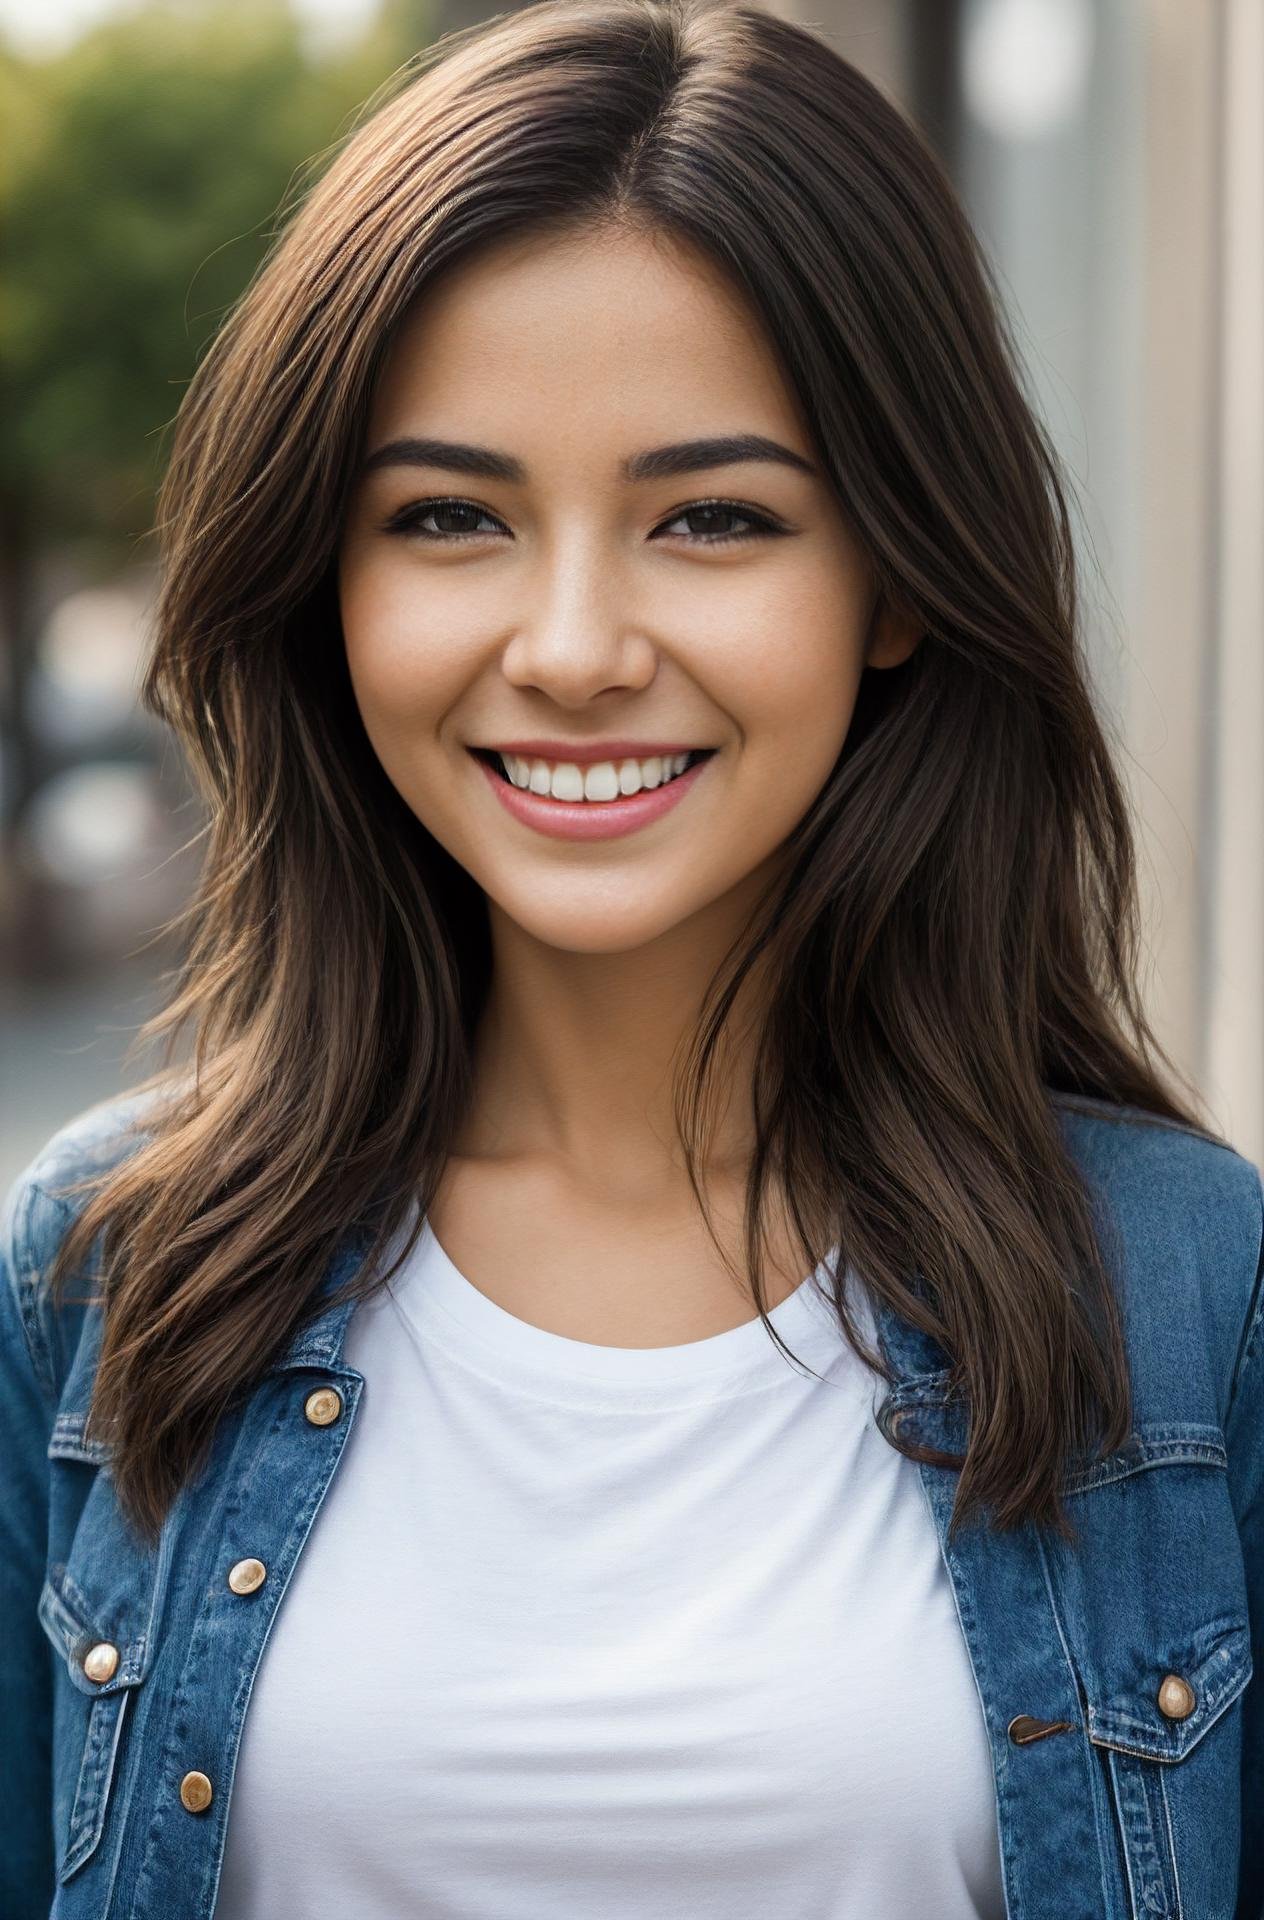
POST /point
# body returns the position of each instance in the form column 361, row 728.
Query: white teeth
column 603, row 780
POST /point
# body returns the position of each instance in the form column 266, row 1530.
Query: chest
column 656, row 1642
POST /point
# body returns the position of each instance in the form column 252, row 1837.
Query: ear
column 893, row 633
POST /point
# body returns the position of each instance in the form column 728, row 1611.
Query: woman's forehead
column 610, row 338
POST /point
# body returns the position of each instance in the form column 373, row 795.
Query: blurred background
column 1111, row 155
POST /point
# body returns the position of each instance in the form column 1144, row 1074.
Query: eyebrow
column 655, row 463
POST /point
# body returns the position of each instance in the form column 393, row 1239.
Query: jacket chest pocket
column 99, row 1609
column 1155, row 1608
column 1174, row 1780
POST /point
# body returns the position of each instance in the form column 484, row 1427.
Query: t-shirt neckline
column 437, row 1298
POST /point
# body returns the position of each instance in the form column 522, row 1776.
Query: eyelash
column 406, row 521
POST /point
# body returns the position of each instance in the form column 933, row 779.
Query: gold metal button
column 247, row 1575
column 1176, row 1697
column 101, row 1661
column 323, row 1407
column 195, row 1792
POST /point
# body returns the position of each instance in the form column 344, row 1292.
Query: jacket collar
column 319, row 1341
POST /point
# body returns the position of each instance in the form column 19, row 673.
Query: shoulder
column 1182, row 1214
column 1154, row 1168
column 1167, row 1181
column 91, row 1141
column 38, row 1208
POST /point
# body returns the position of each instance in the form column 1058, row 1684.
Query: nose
column 578, row 636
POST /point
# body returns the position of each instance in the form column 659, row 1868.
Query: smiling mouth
column 494, row 760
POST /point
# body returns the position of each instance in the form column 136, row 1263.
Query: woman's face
column 573, row 589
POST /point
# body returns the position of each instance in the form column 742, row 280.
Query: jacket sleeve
column 1244, row 1440
column 26, row 1417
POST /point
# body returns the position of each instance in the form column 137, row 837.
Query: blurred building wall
column 1233, row 1049
column 1111, row 155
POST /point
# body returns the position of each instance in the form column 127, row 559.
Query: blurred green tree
column 144, row 172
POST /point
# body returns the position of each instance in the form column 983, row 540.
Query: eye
column 759, row 524
column 411, row 519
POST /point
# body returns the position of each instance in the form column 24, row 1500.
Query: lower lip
column 591, row 819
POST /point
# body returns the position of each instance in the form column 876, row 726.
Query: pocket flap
column 69, row 1442
column 1214, row 1662
column 74, row 1629
column 1154, row 1444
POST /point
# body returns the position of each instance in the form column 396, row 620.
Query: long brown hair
column 953, row 937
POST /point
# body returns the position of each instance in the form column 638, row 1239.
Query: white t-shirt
column 606, row 1633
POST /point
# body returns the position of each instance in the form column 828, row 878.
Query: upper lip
column 584, row 753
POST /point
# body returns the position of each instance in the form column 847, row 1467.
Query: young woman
column 672, row 1352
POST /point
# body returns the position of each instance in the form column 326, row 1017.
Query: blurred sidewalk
column 62, row 1042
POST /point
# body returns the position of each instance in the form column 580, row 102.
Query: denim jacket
column 1115, row 1676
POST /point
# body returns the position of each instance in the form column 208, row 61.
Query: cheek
column 797, row 701
column 404, row 676
column 381, row 651
column 407, row 677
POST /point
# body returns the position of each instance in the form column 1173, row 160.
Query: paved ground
column 61, row 1049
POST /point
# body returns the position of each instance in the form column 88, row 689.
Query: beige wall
column 1201, row 616
column 1234, row 1014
